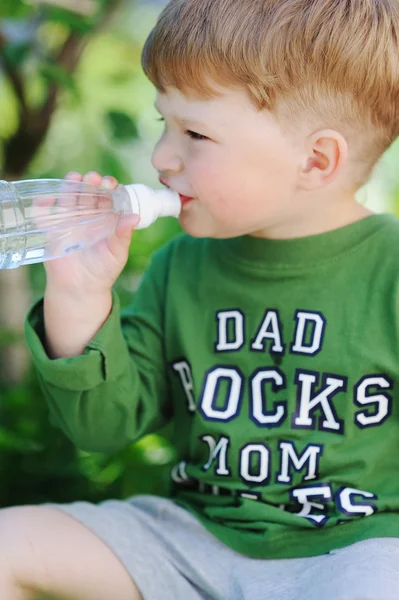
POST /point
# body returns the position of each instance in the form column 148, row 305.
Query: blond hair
column 332, row 63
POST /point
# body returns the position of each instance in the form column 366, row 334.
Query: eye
column 192, row 134
column 195, row 136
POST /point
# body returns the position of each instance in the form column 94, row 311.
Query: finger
column 43, row 201
column 71, row 195
column 39, row 214
column 119, row 242
column 93, row 179
column 109, row 183
column 45, row 207
column 74, row 176
column 105, row 201
column 126, row 225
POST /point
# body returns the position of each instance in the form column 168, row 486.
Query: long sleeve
column 116, row 391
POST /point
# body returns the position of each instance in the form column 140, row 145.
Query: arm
column 116, row 391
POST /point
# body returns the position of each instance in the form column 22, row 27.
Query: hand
column 78, row 298
column 94, row 270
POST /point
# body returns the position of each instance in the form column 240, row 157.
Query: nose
column 166, row 157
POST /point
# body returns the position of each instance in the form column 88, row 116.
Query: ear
column 326, row 155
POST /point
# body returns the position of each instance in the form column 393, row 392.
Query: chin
column 197, row 228
column 194, row 232
column 212, row 234
column 194, row 228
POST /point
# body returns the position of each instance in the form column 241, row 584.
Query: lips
column 183, row 198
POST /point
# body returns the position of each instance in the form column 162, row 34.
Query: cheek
column 225, row 189
column 235, row 186
column 211, row 173
column 227, row 203
column 200, row 170
column 212, row 185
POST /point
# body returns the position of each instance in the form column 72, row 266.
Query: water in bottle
column 44, row 219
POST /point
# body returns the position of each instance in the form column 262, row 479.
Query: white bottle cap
column 151, row 204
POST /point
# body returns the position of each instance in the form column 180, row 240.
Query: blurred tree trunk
column 15, row 300
column 18, row 153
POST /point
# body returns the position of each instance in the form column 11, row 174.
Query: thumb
column 119, row 242
column 125, row 227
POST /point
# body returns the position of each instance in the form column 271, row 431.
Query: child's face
column 242, row 177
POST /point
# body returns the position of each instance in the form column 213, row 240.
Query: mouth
column 183, row 199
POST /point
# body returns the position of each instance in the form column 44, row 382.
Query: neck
column 315, row 216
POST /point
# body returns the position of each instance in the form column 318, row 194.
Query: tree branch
column 69, row 57
column 83, row 7
column 34, row 124
column 13, row 75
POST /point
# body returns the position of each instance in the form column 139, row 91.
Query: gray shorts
column 171, row 556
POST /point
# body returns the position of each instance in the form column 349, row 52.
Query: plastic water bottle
column 44, row 219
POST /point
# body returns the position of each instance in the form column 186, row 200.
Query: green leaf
column 15, row 54
column 77, row 23
column 13, row 441
column 110, row 164
column 54, row 73
column 15, row 9
column 122, row 126
column 9, row 336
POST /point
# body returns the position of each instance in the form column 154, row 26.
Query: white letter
column 224, row 317
column 303, row 318
column 345, row 502
column 179, row 474
column 271, row 319
column 258, row 399
column 208, row 395
column 221, row 449
column 303, row 495
column 310, row 455
column 245, row 463
column 184, row 372
column 306, row 405
column 384, row 401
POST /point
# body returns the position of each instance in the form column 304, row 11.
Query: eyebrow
column 185, row 122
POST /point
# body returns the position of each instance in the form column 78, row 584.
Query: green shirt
column 278, row 361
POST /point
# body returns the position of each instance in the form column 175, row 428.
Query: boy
column 269, row 333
